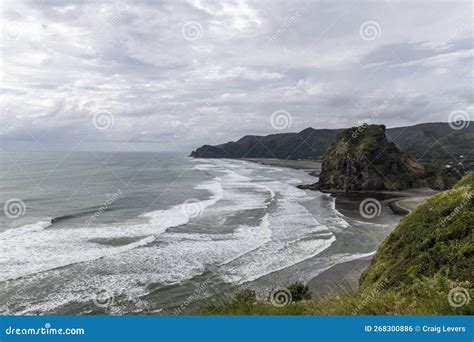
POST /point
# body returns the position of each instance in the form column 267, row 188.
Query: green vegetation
column 299, row 292
column 434, row 240
column 432, row 299
column 451, row 145
column 246, row 296
column 424, row 267
column 442, row 178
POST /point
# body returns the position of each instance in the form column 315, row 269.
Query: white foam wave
column 31, row 249
column 334, row 260
column 30, row 228
column 292, row 240
column 181, row 256
column 366, row 223
column 286, row 234
column 339, row 219
column 161, row 220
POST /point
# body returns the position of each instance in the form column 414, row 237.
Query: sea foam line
column 158, row 222
column 29, row 228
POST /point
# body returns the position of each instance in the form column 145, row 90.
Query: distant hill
column 429, row 142
column 435, row 142
column 308, row 144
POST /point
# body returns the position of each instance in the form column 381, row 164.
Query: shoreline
column 404, row 202
column 312, row 166
column 408, row 204
column 345, row 276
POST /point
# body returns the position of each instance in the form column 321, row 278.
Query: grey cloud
column 247, row 60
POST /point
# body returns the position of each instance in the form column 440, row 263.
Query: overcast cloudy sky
column 172, row 75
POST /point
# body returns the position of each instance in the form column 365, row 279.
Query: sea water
column 123, row 233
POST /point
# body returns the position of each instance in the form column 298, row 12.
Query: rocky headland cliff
column 364, row 160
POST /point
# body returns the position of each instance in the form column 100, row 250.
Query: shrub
column 468, row 251
column 245, row 296
column 299, row 292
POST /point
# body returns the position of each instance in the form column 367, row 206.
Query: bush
column 245, row 296
column 299, row 292
column 468, row 251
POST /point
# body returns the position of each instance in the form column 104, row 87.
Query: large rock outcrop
column 361, row 158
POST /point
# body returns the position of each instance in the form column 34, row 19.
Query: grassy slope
column 430, row 252
column 436, row 239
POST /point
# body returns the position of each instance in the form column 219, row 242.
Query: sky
column 173, row 75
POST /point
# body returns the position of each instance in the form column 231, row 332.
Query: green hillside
column 435, row 240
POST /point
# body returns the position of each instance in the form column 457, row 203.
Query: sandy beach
column 341, row 277
column 412, row 199
column 310, row 165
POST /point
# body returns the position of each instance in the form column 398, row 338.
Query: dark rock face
column 208, row 151
column 364, row 160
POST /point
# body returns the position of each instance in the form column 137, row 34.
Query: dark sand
column 339, row 278
column 410, row 199
column 310, row 165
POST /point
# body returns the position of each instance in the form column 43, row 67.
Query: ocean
column 162, row 233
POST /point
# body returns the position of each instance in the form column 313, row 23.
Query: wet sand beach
column 310, row 165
